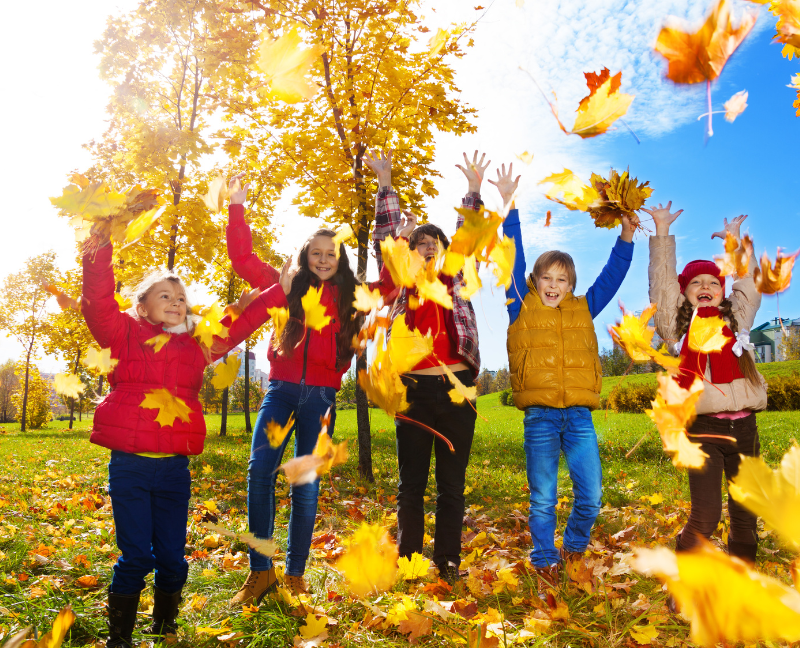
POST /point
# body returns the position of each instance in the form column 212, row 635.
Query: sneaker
column 569, row 556
column 549, row 578
column 295, row 584
column 254, row 589
column 449, row 573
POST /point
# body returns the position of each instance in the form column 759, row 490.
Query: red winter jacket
column 119, row 421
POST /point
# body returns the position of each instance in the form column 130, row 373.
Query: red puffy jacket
column 120, row 423
column 315, row 359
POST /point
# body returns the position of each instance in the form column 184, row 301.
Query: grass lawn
column 57, row 540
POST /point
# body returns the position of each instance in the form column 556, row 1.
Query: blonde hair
column 139, row 293
column 552, row 258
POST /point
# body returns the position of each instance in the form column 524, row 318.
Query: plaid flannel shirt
column 387, row 221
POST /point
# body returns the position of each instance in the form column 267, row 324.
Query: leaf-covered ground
column 57, row 543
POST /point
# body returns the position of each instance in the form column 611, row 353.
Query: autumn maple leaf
column 619, row 196
column 705, row 334
column 370, row 561
column 53, row 639
column 225, row 373
column 64, row 300
column 725, row 600
column 503, row 255
column 635, row 336
column 68, row 385
column 265, row 546
column 472, row 282
column 673, row 412
column 771, row 279
column 366, row 299
column 169, row 407
column 575, row 195
column 158, row 341
column 219, row 192
column 735, row 105
column 210, row 324
column 460, row 392
column 286, row 64
column 478, row 235
column 403, row 264
column 139, row 226
column 315, row 313
column 276, row 432
column 736, row 260
column 99, row 360
column 413, row 568
column 280, row 318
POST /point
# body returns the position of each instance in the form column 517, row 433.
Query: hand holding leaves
column 662, row 217
column 474, row 171
column 627, row 229
column 381, row 165
column 505, row 185
column 732, row 227
column 238, row 192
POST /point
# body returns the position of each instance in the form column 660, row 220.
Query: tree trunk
column 223, row 428
column 246, row 404
column 72, row 400
column 25, row 391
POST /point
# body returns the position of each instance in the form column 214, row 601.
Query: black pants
column 430, row 404
column 704, row 485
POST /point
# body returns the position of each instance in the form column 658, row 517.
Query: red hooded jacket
column 120, row 423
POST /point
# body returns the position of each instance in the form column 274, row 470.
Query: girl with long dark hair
column 306, row 368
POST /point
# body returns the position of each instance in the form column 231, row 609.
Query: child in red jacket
column 306, row 368
column 159, row 368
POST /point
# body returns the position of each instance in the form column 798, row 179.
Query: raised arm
column 246, row 263
column 474, row 171
column 610, row 279
column 107, row 324
column 744, row 297
column 665, row 291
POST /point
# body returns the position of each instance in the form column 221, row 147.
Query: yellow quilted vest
column 552, row 354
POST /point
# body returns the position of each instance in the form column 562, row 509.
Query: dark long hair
column 350, row 319
column 746, row 362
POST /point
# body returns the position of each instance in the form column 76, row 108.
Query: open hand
column 732, row 228
column 505, row 185
column 408, row 223
column 474, row 171
column 381, row 165
column 288, row 272
column 238, row 193
column 662, row 217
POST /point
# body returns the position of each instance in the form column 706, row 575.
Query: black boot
column 121, row 619
column 165, row 612
column 743, row 551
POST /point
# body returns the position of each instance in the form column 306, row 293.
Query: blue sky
column 746, row 167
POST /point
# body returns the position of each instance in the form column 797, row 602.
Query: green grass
column 49, row 479
column 767, row 369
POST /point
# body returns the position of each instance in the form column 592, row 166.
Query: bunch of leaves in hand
column 620, row 195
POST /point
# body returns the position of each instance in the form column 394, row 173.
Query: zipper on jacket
column 561, row 364
column 305, row 356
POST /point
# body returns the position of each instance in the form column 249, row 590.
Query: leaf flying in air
column 139, row 226
column 735, row 105
column 225, row 373
column 158, row 341
column 771, row 279
column 705, row 334
column 316, row 317
column 366, row 299
column 265, row 546
column 169, row 407
column 68, row 385
column 673, row 412
column 210, row 324
column 99, row 360
column 276, row 432
column 370, row 561
column 286, row 64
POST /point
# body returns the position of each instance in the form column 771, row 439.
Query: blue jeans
column 150, row 502
column 308, row 404
column 548, row 432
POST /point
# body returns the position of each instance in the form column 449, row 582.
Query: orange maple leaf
column 673, row 412
column 736, row 260
column 771, row 279
column 705, row 334
column 63, row 299
column 478, row 234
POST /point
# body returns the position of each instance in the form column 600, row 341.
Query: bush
column 505, row 397
column 633, row 399
column 783, row 393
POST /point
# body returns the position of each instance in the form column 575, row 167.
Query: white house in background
column 262, row 379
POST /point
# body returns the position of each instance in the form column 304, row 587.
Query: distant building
column 767, row 339
column 261, row 378
column 238, row 351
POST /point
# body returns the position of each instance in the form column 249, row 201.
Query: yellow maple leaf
column 604, row 106
column 381, row 381
column 643, row 635
column 472, row 282
column 478, row 235
column 99, row 360
column 343, row 234
column 412, row 568
column 736, row 260
column 406, row 347
column 68, row 385
column 526, row 157
column 314, row 626
column 461, row 392
column 218, row 193
column 773, row 495
column 286, row 64
column 265, row 546
column 437, row 42
column 316, row 317
column 503, row 255
column 95, row 200
column 403, row 264
column 210, row 324
column 701, row 56
column 332, row 454
column 366, row 299
column 370, row 561
column 169, row 407
column 139, row 225
column 634, row 335
column 771, row 279
column 673, row 412
column 158, row 341
column 725, row 600
column 279, row 317
column 575, row 195
column 276, row 432
column 53, row 639
column 225, row 373
column 705, row 334
column 453, row 262
column 124, row 302
column 433, row 289
column 619, row 195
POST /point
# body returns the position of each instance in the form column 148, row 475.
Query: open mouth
column 704, row 298
column 551, row 295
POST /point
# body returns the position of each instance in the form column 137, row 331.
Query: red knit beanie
column 698, row 267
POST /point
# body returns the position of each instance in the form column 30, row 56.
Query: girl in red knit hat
column 726, row 421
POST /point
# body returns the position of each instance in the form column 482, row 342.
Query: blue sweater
column 603, row 289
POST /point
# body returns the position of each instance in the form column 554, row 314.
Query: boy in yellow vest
column 555, row 378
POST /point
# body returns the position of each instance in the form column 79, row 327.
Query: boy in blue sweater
column 555, row 378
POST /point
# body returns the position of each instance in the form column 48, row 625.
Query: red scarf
column 724, row 364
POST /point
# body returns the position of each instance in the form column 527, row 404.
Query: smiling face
column 553, row 285
column 165, row 303
column 704, row 290
column 322, row 259
column 427, row 247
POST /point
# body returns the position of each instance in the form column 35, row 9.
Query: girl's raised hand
column 505, row 185
column 662, row 217
column 381, row 165
column 732, row 227
column 409, row 222
column 288, row 271
column 238, row 197
column 474, row 171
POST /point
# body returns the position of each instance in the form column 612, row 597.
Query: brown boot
column 256, row 586
column 295, row 584
column 549, row 578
